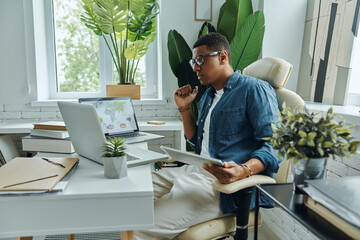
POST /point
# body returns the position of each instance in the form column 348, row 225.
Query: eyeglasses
column 199, row 60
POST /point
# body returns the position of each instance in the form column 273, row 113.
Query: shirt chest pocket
column 231, row 121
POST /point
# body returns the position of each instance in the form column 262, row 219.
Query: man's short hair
column 214, row 42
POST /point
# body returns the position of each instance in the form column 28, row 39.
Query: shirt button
column 198, row 137
column 230, row 87
column 209, row 104
column 202, row 120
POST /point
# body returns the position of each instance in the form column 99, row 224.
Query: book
column 42, row 144
column 51, row 125
column 49, row 133
column 34, row 174
column 337, row 201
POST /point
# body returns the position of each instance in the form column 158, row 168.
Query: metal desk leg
column 256, row 212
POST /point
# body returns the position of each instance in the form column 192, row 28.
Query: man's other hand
column 230, row 172
column 184, row 96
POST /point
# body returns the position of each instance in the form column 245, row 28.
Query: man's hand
column 230, row 172
column 184, row 96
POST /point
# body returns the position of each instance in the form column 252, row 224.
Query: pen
column 55, row 163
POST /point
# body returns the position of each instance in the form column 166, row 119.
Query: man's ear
column 223, row 57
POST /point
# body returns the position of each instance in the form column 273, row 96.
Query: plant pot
column 123, row 90
column 313, row 168
column 115, row 167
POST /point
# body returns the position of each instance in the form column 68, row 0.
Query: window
column 79, row 63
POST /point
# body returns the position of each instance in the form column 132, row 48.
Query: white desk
column 170, row 125
column 90, row 203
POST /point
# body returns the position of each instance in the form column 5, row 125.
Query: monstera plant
column 243, row 29
column 127, row 26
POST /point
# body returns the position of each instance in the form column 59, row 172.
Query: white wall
column 284, row 30
column 354, row 86
column 13, row 75
column 179, row 15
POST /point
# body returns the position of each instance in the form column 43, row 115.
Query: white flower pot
column 115, row 167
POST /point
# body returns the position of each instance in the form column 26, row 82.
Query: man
column 236, row 113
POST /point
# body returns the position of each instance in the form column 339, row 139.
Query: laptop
column 87, row 137
column 117, row 118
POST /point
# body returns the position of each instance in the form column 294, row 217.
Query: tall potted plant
column 128, row 27
column 309, row 143
column 243, row 29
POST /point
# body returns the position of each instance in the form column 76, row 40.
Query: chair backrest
column 276, row 71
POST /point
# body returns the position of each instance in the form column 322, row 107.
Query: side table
column 293, row 203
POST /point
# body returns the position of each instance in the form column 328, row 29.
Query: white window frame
column 151, row 91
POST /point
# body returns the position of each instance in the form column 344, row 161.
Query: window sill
column 53, row 102
column 349, row 113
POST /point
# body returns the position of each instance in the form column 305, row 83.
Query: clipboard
column 34, row 174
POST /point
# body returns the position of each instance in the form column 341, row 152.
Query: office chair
column 275, row 71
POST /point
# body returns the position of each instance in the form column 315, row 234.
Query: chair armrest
column 243, row 183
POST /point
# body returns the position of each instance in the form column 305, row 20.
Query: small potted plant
column 114, row 157
column 309, row 143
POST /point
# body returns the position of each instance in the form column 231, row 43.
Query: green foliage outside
column 77, row 51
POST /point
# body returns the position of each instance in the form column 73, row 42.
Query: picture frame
column 203, row 10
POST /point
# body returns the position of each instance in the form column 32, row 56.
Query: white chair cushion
column 275, row 71
column 292, row 99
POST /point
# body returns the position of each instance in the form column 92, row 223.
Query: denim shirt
column 238, row 124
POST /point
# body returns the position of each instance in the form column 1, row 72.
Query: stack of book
column 49, row 136
column 337, row 201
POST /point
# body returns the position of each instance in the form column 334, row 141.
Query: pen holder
column 115, row 167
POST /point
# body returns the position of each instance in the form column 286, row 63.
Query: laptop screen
column 116, row 114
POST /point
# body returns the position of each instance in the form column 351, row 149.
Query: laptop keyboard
column 131, row 157
column 129, row 135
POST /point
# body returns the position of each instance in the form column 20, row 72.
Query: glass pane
column 77, row 50
column 140, row 75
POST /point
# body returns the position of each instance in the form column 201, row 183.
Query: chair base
column 216, row 228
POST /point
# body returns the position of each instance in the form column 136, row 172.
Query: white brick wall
column 10, row 112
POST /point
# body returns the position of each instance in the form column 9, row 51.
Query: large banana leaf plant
column 127, row 26
column 242, row 28
column 179, row 56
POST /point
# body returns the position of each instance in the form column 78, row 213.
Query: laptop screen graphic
column 116, row 115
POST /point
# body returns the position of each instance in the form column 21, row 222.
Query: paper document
column 34, row 174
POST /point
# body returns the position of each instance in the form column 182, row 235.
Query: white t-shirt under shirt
column 205, row 141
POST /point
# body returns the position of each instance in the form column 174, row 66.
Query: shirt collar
column 229, row 84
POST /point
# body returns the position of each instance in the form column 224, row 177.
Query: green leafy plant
column 114, row 147
column 127, row 26
column 298, row 136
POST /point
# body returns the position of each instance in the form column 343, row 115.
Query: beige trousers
column 183, row 197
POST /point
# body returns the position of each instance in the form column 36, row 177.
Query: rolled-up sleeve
column 263, row 110
column 193, row 140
